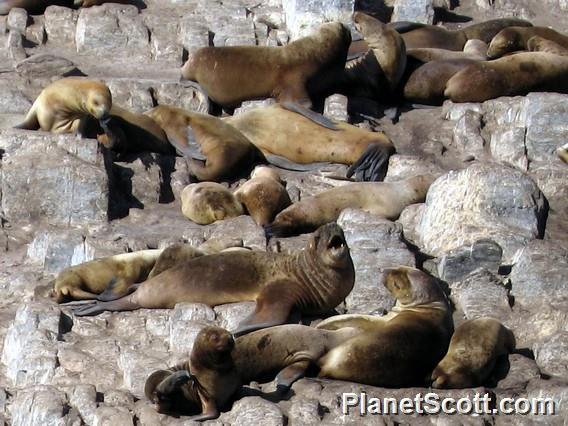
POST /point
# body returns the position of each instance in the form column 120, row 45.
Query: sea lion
column 385, row 199
column 540, row 44
column 89, row 280
column 513, row 39
column 313, row 281
column 207, row 202
column 234, row 74
column 65, row 105
column 91, row 3
column 306, row 137
column 512, row 75
column 263, row 195
column 473, row 352
column 473, row 49
column 173, row 255
column 563, row 153
column 426, row 85
column 403, row 347
column 422, row 35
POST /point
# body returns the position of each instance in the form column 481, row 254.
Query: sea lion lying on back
column 516, row 38
column 234, row 74
column 66, row 105
column 403, row 347
column 313, row 280
column 473, row 352
column 385, row 199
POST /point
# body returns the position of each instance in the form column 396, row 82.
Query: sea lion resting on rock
column 473, row 49
column 516, row 38
column 401, row 348
column 66, row 105
column 540, row 44
column 207, row 202
column 563, row 153
column 216, row 370
column 512, row 75
column 313, row 281
column 234, row 74
column 473, row 352
column 385, row 199
column 263, row 195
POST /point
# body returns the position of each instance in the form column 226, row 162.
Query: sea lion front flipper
column 402, row 27
column 122, row 304
column 273, row 305
column 173, row 382
column 290, row 374
column 310, row 115
column 284, row 163
column 372, row 164
column 357, row 321
column 209, row 409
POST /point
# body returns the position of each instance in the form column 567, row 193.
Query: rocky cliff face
column 494, row 225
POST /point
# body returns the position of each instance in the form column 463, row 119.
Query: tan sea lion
column 305, row 137
column 90, row 279
column 403, row 347
column 207, row 202
column 173, row 255
column 563, row 153
column 513, row 75
column 513, row 39
column 540, row 44
column 473, row 49
column 66, row 104
column 473, row 352
column 385, row 199
column 263, row 195
column 234, row 74
column 313, row 281
column 422, row 35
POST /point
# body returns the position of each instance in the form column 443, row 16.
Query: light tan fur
column 514, row 39
column 207, row 202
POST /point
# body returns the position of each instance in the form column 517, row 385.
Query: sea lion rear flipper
column 30, row 123
column 284, row 163
column 122, row 304
column 373, row 163
column 310, row 115
column 290, row 374
column 208, row 407
column 402, row 27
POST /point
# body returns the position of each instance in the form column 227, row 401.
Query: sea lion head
column 165, row 401
column 328, row 241
column 265, row 172
column 507, row 40
column 99, row 102
column 212, row 347
column 412, row 287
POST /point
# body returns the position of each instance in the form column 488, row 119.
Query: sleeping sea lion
column 540, row 44
column 473, row 352
column 513, row 39
column 313, row 280
column 207, row 202
column 563, row 153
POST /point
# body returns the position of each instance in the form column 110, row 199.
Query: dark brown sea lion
column 305, row 137
column 66, row 105
column 313, row 280
column 263, row 195
column 421, row 35
column 512, row 75
column 234, row 74
column 473, row 352
column 516, row 38
column 540, row 44
column 401, row 348
column 385, row 199
column 207, row 202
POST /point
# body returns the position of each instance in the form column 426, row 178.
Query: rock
column 405, row 166
column 521, row 371
column 13, row 101
column 15, row 46
column 336, row 108
column 45, row 66
column 458, row 263
column 415, row 11
column 42, row 405
column 375, row 243
column 230, row 315
column 252, row 234
column 551, row 355
column 35, row 32
column 17, row 20
column 303, row 16
column 555, row 392
column 254, row 410
column 113, row 416
column 60, row 25
column 305, row 412
column 480, row 202
column 467, row 134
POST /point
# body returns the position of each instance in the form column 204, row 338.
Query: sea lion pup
column 313, row 281
column 513, row 75
column 400, row 349
column 66, row 104
column 422, row 35
column 473, row 352
column 234, row 74
column 263, row 195
column 304, row 136
column 89, row 280
column 207, row 202
column 540, row 44
column 514, row 39
column 563, row 153
column 127, row 132
column 385, row 199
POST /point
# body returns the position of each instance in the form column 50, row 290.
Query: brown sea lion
column 540, row 44
column 385, row 199
column 422, row 35
column 313, row 280
column 401, row 348
column 473, row 352
column 305, row 137
column 234, row 74
column 513, row 39
column 90, row 279
column 173, row 255
column 563, row 153
column 513, row 75
column 66, row 105
column 263, row 195
column 473, row 49
column 207, row 202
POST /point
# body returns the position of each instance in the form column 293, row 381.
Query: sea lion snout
column 330, row 242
